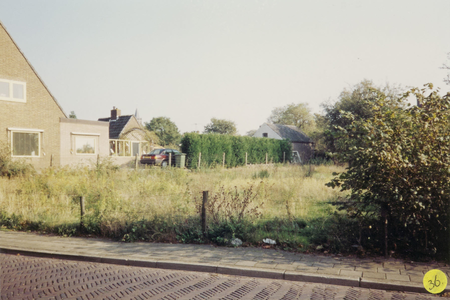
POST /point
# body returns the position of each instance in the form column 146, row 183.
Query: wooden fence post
column 245, row 158
column 199, row 159
column 136, row 163
column 51, row 160
column 205, row 200
column 82, row 213
column 284, row 157
column 170, row 159
column 223, row 160
column 266, row 158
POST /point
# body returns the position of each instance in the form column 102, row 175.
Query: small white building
column 300, row 141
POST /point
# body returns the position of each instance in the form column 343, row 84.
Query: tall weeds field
column 287, row 203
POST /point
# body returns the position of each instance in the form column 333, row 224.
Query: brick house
column 33, row 125
column 300, row 141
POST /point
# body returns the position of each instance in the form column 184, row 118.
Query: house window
column 112, row 147
column 25, row 144
column 127, row 148
column 265, row 134
column 12, row 90
column 135, row 148
column 85, row 144
column 145, row 147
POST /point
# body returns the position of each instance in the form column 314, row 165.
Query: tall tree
column 221, row 126
column 165, row 129
column 298, row 115
column 358, row 100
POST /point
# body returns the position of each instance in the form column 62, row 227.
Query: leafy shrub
column 399, row 167
column 231, row 212
column 12, row 167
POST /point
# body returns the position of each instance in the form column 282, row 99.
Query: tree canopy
column 221, row 126
column 165, row 129
column 401, row 163
column 72, row 115
column 359, row 102
column 298, row 115
column 250, row 132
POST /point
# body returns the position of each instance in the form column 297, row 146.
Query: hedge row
column 212, row 147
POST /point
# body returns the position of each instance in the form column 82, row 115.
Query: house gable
column 124, row 127
column 133, row 130
column 116, row 126
column 299, row 140
column 37, row 114
column 266, row 131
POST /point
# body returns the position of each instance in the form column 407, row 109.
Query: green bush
column 10, row 167
column 212, row 147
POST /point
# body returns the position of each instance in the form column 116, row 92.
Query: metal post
column 136, row 163
column 284, row 157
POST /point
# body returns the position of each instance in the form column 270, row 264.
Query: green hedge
column 212, row 147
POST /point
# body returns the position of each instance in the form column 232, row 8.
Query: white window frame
column 133, row 143
column 25, row 130
column 82, row 134
column 11, row 91
column 120, row 145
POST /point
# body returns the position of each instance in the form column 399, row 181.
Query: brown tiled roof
column 290, row 132
column 116, row 126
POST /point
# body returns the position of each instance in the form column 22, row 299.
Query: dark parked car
column 160, row 157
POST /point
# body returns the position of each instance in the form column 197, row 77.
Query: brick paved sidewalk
column 379, row 273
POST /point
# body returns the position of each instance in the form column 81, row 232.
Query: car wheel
column 164, row 164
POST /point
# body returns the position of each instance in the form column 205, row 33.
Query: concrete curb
column 238, row 271
column 229, row 270
column 393, row 286
column 316, row 278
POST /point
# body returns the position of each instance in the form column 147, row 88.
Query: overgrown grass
column 286, row 203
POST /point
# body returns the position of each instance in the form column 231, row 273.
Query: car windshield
column 157, row 151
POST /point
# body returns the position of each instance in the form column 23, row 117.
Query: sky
column 193, row 60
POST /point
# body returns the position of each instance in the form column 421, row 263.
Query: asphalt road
column 26, row 277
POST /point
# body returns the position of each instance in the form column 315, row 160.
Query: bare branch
column 446, row 67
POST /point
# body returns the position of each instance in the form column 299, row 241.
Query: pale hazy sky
column 234, row 59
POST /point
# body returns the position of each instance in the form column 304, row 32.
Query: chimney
column 115, row 113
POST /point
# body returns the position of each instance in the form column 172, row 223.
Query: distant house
column 300, row 141
column 33, row 125
column 127, row 137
